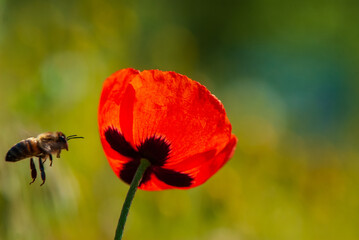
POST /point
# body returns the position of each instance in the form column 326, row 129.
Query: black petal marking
column 118, row 143
column 173, row 178
column 146, row 176
column 155, row 149
column 129, row 170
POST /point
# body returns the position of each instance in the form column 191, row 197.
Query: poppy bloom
column 167, row 118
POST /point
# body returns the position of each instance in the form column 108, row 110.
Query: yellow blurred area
column 286, row 73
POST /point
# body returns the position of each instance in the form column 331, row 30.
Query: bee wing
column 45, row 146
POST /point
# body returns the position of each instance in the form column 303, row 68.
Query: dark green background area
column 286, row 72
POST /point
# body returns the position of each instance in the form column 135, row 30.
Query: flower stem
column 144, row 164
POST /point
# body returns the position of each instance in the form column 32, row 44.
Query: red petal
column 114, row 101
column 182, row 110
column 200, row 167
column 170, row 105
column 205, row 170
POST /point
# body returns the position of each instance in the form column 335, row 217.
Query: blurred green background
column 286, row 71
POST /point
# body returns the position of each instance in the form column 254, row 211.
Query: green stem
column 131, row 193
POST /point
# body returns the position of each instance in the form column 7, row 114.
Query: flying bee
column 42, row 146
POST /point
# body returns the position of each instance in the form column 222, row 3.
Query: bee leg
column 42, row 170
column 58, row 154
column 33, row 170
column 50, row 159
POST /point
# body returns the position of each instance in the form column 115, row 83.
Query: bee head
column 62, row 140
column 54, row 141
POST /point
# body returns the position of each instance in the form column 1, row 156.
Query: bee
column 42, row 147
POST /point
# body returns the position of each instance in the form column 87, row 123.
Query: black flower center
column 156, row 149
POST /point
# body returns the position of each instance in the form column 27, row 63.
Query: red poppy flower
column 167, row 118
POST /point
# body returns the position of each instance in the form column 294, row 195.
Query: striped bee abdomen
column 24, row 149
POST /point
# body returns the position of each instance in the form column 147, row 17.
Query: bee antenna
column 72, row 137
